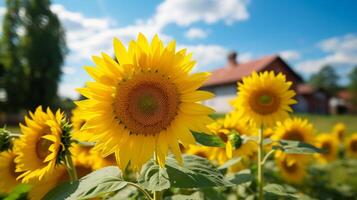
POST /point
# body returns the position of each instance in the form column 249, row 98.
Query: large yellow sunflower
column 295, row 129
column 77, row 122
column 328, row 143
column 39, row 144
column 264, row 98
column 351, row 146
column 291, row 169
column 8, row 180
column 146, row 102
column 339, row 131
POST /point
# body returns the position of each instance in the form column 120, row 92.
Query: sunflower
column 351, row 146
column 234, row 124
column 295, row 129
column 264, row 98
column 77, row 122
column 8, row 175
column 328, row 143
column 39, row 144
column 146, row 102
column 339, row 131
column 291, row 169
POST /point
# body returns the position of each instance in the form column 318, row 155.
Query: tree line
column 328, row 80
column 32, row 51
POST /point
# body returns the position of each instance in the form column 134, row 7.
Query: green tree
column 352, row 87
column 326, row 79
column 14, row 73
column 44, row 48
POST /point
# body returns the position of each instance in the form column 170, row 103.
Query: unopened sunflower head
column 147, row 101
column 5, row 140
column 264, row 98
column 44, row 142
column 231, row 130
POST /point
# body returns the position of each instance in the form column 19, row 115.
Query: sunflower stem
column 261, row 163
column 266, row 157
column 157, row 194
column 146, row 194
column 70, row 168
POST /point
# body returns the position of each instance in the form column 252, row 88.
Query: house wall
column 224, row 94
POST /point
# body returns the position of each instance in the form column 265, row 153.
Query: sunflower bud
column 5, row 140
column 235, row 139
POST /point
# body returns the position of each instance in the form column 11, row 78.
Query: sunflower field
column 142, row 132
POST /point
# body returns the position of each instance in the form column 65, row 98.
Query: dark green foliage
column 208, row 140
column 13, row 72
column 31, row 59
column 5, row 140
column 43, row 47
column 352, row 87
column 326, row 79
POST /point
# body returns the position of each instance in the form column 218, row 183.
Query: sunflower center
column 327, row 147
column 290, row 167
column 293, row 135
column 264, row 102
column 353, row 145
column 146, row 104
column 42, row 148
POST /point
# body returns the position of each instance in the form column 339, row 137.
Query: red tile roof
column 230, row 74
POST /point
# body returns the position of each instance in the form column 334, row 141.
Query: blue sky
column 308, row 34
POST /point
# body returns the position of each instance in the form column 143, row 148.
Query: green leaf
column 230, row 163
column 100, row 182
column 19, row 192
column 272, row 191
column 153, row 177
column 208, row 140
column 297, row 147
column 196, row 172
column 193, row 196
column 241, row 177
column 63, row 191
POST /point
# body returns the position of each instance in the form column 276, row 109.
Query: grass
column 324, row 123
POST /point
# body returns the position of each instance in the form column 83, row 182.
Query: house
column 223, row 82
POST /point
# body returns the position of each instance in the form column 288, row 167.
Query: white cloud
column 196, row 33
column 68, row 90
column 290, row 55
column 340, row 52
column 186, row 12
column 245, row 57
column 207, row 55
column 87, row 36
column 69, row 70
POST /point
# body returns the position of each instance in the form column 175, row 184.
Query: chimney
column 232, row 59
